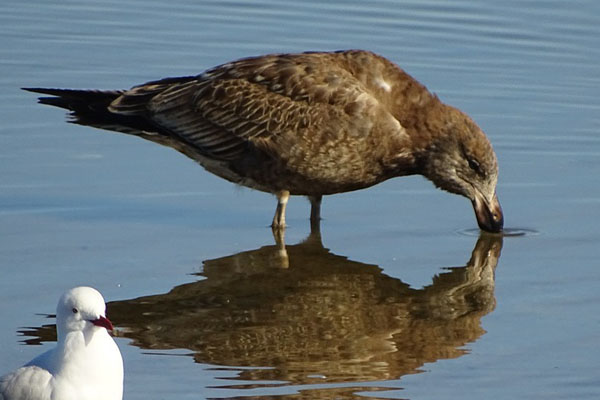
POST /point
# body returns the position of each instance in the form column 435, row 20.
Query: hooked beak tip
column 489, row 216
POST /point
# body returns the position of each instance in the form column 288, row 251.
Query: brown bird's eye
column 474, row 165
column 75, row 311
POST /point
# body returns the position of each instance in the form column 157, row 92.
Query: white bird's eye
column 75, row 311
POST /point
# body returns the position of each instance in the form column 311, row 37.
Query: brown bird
column 308, row 124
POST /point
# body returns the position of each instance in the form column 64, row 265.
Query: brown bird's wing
column 275, row 103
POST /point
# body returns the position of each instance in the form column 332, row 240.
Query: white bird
column 86, row 363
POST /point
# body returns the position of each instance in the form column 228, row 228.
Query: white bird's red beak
column 103, row 322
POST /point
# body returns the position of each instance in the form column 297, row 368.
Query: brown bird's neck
column 427, row 124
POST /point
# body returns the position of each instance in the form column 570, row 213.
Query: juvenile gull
column 85, row 364
column 309, row 124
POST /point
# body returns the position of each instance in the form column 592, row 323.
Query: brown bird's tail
column 90, row 107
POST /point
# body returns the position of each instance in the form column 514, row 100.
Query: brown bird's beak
column 489, row 216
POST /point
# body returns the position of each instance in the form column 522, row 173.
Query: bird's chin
column 489, row 214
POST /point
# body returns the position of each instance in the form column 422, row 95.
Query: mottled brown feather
column 306, row 124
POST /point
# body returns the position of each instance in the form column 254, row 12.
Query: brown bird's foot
column 279, row 219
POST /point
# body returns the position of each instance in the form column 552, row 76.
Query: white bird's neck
column 75, row 350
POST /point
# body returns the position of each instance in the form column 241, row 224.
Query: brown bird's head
column 460, row 159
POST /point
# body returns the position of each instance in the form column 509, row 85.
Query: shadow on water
column 312, row 317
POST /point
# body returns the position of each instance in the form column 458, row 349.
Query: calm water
column 396, row 299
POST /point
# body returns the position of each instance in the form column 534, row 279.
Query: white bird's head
column 81, row 309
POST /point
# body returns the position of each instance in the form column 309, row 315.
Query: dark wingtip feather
column 34, row 90
column 50, row 91
column 55, row 101
column 90, row 107
column 75, row 93
column 75, row 99
column 62, row 97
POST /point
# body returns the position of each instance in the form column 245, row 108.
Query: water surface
column 394, row 300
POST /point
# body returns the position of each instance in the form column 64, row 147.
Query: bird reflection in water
column 315, row 317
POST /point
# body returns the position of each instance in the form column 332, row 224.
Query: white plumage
column 86, row 363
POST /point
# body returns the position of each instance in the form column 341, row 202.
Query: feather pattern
column 302, row 124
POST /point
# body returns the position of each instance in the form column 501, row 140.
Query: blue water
column 379, row 311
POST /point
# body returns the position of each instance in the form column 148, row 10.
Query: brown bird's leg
column 315, row 213
column 279, row 218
